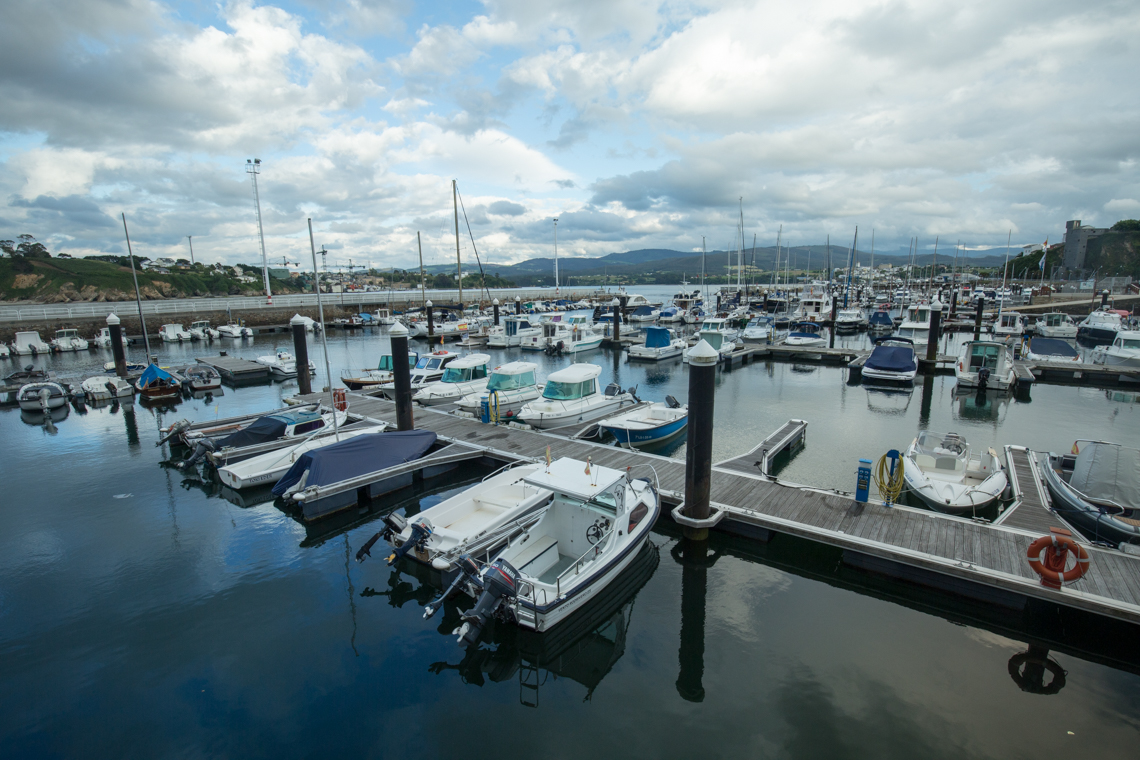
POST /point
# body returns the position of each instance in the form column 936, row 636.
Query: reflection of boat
column 941, row 471
column 510, row 386
column 648, row 425
column 592, row 530
column 893, row 401
column 891, row 361
column 572, row 395
column 1097, row 489
column 38, row 418
column 981, row 404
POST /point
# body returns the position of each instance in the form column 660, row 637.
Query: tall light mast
column 556, row 290
column 253, row 168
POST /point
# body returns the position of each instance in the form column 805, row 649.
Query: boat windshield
column 568, row 391
column 501, row 382
column 941, row 451
column 385, row 364
column 422, row 363
column 984, row 356
column 464, row 375
column 1130, row 342
column 714, row 339
column 434, row 363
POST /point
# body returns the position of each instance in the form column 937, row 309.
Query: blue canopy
column 657, row 337
column 261, row 430
column 356, row 456
column 882, row 319
column 1052, row 347
column 155, row 375
column 643, row 311
column 892, row 359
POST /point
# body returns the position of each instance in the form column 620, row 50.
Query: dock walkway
column 236, row 371
column 978, row 559
column 1032, row 508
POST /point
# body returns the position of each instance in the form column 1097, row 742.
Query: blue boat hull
column 660, row 434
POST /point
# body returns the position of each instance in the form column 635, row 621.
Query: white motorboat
column 573, row 335
column 283, row 364
column 384, row 317
column 815, row 304
column 915, row 325
column 722, row 343
column 103, row 339
column 106, row 388
column 1101, row 326
column 573, row 395
column 234, row 330
column 311, row 325
column 429, row 368
column 68, row 340
column 463, row 376
column 477, row 522
column 1056, row 325
column 38, row 397
column 173, row 333
column 512, row 330
column 598, row 520
column 644, row 314
column 941, row 471
column 5, row 352
column 1009, row 324
column 510, row 387
column 671, row 314
column 891, row 361
column 660, row 343
column 762, row 329
column 29, row 342
column 805, row 334
column 851, row 319
column 201, row 330
column 714, row 325
column 635, row 301
column 1124, row 351
column 1040, row 349
column 650, row 425
column 987, row 364
column 200, row 378
column 370, row 378
column 263, row 469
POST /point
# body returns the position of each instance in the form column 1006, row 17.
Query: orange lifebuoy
column 340, row 399
column 1052, row 568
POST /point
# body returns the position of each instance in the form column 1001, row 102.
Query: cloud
column 506, row 208
column 1123, row 206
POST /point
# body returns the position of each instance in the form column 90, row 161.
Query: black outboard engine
column 468, row 572
column 983, row 377
column 173, row 431
column 613, row 389
column 672, row 403
column 556, row 349
column 203, row 447
column 421, row 532
column 500, row 583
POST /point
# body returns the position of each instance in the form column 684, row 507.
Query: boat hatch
column 984, row 356
column 559, row 391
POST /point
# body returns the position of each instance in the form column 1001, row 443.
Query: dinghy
column 941, row 471
column 648, row 425
column 36, row 397
column 1096, row 487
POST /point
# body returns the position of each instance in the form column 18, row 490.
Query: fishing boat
column 173, row 333
column 510, row 387
column 941, row 471
column 1124, row 351
column 370, row 378
column 985, row 364
column 1038, row 349
column 156, row 383
column 1101, row 326
column 477, row 522
column 463, row 376
column 1009, row 324
column 513, row 329
column 597, row 522
column 815, row 304
column 660, row 343
column 201, row 330
column 429, row 368
column 1055, row 325
column 106, row 388
column 915, row 325
column 103, row 339
column 573, row 395
column 760, row 329
column 1096, row 487
column 198, row 378
column 68, row 340
column 644, row 314
column 29, row 343
column 41, row 396
column 892, row 360
column 572, row 335
column 384, row 317
column 281, row 363
column 805, row 334
column 269, row 467
column 648, row 425
column 851, row 319
column 314, row 481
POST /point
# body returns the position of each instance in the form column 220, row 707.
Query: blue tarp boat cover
column 261, row 430
column 892, row 359
column 643, row 311
column 657, row 337
column 881, row 319
column 1052, row 347
column 356, row 456
column 154, row 375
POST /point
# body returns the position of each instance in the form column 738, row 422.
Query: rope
column 890, row 486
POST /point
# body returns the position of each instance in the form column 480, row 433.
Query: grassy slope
column 1115, row 254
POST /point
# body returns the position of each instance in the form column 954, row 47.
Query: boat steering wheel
column 594, row 532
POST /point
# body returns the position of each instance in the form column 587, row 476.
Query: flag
column 1076, row 450
column 1044, row 252
column 587, row 465
column 548, row 459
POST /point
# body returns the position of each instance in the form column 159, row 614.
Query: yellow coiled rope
column 889, row 485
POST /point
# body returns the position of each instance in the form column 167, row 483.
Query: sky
column 636, row 124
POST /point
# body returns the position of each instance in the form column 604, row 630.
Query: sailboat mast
column 851, row 266
column 135, row 277
column 1001, row 295
column 324, row 332
column 704, row 286
column 933, row 264
column 423, row 285
column 458, row 261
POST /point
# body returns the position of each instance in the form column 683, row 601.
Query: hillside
column 1115, row 254
column 62, row 280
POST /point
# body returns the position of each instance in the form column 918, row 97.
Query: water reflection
column 981, row 405
column 891, row 402
column 1028, row 671
column 695, row 561
column 46, row 421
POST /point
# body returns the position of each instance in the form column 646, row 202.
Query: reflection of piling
column 402, row 377
column 431, row 321
column 978, row 318
column 927, row 393
column 495, row 306
column 694, row 586
column 116, row 331
column 932, row 339
column 301, row 352
column 1028, row 671
column 617, row 321
column 131, row 423
column 698, row 454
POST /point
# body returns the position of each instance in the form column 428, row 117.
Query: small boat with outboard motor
column 103, row 338
column 941, row 470
column 269, row 467
column 234, row 330
column 649, row 425
column 1101, row 326
column 68, row 340
column 283, row 364
column 660, row 343
column 198, row 378
column 240, row 439
column 174, row 333
column 366, row 379
column 510, row 387
column 155, row 384
column 1096, row 488
column 106, row 388
column 892, row 360
column 573, row 395
column 597, row 521
column 201, row 330
column 41, row 396
column 851, row 319
column 985, row 364
column 463, row 376
column 29, row 343
column 881, row 321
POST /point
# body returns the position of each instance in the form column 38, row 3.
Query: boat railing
column 587, row 556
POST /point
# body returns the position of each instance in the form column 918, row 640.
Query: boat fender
column 1056, row 547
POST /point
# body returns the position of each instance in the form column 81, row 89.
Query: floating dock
column 971, row 558
column 1032, row 509
column 237, row 371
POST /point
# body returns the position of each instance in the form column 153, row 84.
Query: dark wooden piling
column 698, row 455
column 518, row 305
column 430, row 319
column 301, row 351
column 617, row 321
column 931, row 361
column 116, row 330
column 978, row 318
column 495, row 306
column 402, row 377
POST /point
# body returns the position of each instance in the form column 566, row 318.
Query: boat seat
column 538, row 554
column 953, row 464
column 925, row 461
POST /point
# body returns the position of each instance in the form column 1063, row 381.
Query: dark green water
column 141, row 615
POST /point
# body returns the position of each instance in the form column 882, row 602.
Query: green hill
column 1116, row 253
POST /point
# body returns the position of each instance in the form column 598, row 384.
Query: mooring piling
column 518, row 305
column 116, row 330
column 430, row 318
column 698, row 454
column 301, row 352
column 931, row 362
column 402, row 376
column 495, row 306
column 617, row 321
column 978, row 318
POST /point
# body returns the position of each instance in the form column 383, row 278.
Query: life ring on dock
column 1052, row 567
column 340, row 399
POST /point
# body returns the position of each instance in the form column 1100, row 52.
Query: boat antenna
column 324, row 341
column 1001, row 295
column 482, row 275
column 138, row 297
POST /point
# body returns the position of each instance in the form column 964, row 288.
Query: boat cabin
column 714, row 324
column 713, row 338
column 574, row 382
column 512, row 376
column 988, row 355
column 466, row 368
column 1056, row 319
column 1009, row 321
column 435, row 361
column 516, row 323
column 388, row 365
column 68, row 333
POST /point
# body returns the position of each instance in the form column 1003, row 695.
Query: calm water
column 141, row 615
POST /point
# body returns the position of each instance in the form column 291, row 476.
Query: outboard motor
column 421, row 532
column 203, row 447
column 613, row 389
column 633, row 392
column 173, row 431
column 500, row 583
column 983, row 377
column 672, row 403
column 468, row 573
column 45, row 397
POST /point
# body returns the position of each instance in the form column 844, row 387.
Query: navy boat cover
column 1052, row 347
column 643, row 311
column 657, row 337
column 261, row 430
column 356, row 456
column 892, row 359
column 881, row 319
